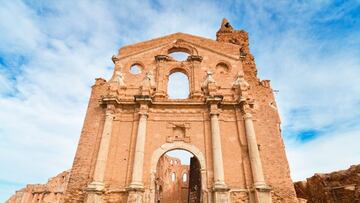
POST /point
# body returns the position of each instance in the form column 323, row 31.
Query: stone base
column 221, row 193
column 221, row 197
column 136, row 192
column 94, row 198
column 94, row 192
column 262, row 194
column 135, row 196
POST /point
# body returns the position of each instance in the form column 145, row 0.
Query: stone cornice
column 141, row 99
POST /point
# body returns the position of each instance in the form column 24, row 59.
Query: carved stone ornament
column 115, row 59
column 247, row 107
column 178, row 132
column 116, row 85
column 208, row 79
column 148, row 84
column 119, row 78
column 241, row 83
column 149, row 81
column 209, row 85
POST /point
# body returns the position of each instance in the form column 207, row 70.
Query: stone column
column 217, row 152
column 254, row 155
column 96, row 187
column 220, row 189
column 262, row 191
column 136, row 187
column 137, row 172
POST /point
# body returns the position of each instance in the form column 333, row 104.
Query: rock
column 336, row 187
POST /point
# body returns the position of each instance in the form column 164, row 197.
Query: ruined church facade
column 229, row 122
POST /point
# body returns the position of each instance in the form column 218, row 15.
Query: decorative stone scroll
column 178, row 132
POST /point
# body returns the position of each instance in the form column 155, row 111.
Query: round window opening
column 135, row 69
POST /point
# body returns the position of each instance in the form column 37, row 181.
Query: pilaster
column 195, row 61
column 260, row 188
column 136, row 187
column 160, row 60
column 220, row 189
column 97, row 186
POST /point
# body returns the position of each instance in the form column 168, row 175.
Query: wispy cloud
column 50, row 54
column 49, row 57
column 310, row 52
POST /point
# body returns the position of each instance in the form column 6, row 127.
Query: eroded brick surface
column 171, row 186
column 51, row 192
column 336, row 187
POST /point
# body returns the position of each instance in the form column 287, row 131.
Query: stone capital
column 246, row 106
column 247, row 116
column 214, row 113
column 110, row 110
column 143, row 114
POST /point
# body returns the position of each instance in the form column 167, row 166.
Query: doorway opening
column 178, row 178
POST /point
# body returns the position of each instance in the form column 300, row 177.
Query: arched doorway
column 194, row 189
column 178, row 178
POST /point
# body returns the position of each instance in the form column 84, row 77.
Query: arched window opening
column 179, row 55
column 178, row 86
column 173, row 177
column 184, row 177
column 135, row 69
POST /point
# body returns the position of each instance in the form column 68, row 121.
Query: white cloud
column 66, row 46
column 331, row 152
column 317, row 80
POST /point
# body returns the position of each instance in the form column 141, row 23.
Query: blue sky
column 50, row 54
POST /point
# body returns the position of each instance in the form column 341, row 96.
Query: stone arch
column 205, row 194
column 179, row 69
column 223, row 64
column 179, row 45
